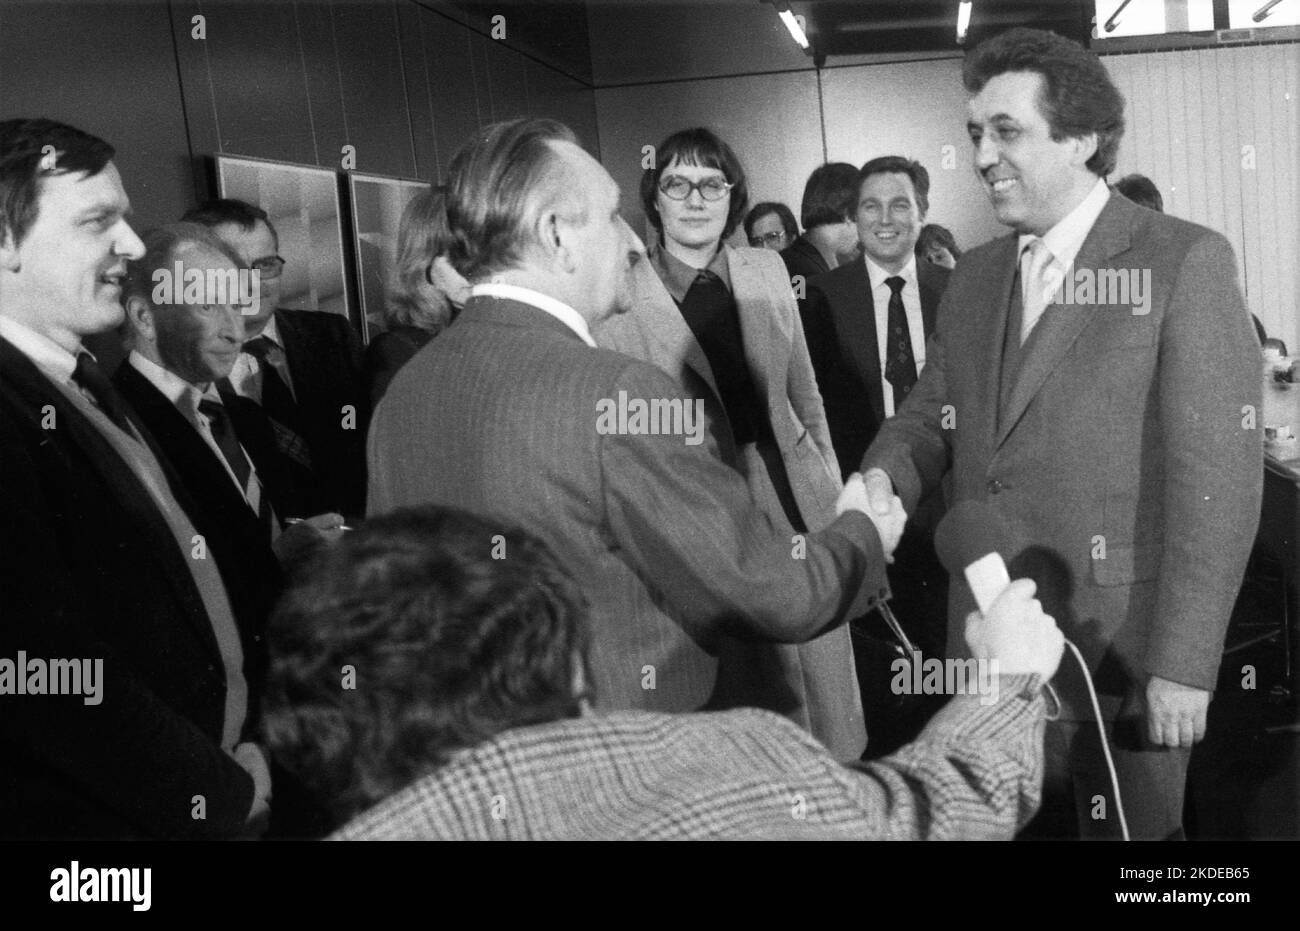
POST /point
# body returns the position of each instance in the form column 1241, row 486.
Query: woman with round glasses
column 723, row 321
column 770, row 225
column 424, row 296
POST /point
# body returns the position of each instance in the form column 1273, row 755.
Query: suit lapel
column 663, row 322
column 1061, row 325
column 991, row 306
column 855, row 321
column 759, row 324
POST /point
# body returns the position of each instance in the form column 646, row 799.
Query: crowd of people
column 433, row 588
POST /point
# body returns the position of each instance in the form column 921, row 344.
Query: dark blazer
column 89, row 569
column 671, row 551
column 325, row 361
column 388, row 352
column 1126, row 460
column 802, row 258
column 839, row 321
column 241, row 542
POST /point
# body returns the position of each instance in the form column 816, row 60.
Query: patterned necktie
column 91, row 379
column 1036, row 284
column 900, row 365
column 223, row 431
column 278, row 403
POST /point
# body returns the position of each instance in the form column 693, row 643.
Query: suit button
column 994, row 486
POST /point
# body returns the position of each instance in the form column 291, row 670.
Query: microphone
column 971, row 539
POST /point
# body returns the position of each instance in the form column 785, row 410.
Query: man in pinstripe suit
column 501, row 415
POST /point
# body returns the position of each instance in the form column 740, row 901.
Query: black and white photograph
column 630, row 420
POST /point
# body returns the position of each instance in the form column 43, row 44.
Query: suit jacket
column 1126, row 462
column 839, row 320
column 90, row 569
column 817, row 680
column 975, row 773
column 802, row 258
column 241, row 541
column 324, row 357
column 501, row 415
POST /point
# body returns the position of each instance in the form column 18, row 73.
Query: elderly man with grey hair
column 508, row 414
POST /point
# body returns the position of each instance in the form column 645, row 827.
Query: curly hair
column 1078, row 95
column 422, row 236
column 702, row 147
column 455, row 628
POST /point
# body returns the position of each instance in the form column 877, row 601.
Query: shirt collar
column 1065, row 239
column 878, row 275
column 556, row 308
column 271, row 332
column 678, row 277
column 175, row 389
column 48, row 356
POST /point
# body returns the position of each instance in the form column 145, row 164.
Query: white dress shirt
column 556, row 308
column 880, row 295
column 1064, row 240
column 185, row 397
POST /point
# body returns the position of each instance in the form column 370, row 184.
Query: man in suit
column 100, row 563
column 1093, row 377
column 722, row 322
column 867, row 321
column 509, row 413
column 830, row 199
column 303, row 371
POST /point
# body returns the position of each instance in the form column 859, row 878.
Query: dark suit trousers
column 1078, row 800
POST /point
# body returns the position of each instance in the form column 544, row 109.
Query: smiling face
column 693, row 224
column 1032, row 180
column 253, row 246
column 200, row 341
column 65, row 279
column 889, row 219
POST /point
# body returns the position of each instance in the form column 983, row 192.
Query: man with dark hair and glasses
column 300, row 373
column 122, row 671
column 723, row 322
column 770, row 225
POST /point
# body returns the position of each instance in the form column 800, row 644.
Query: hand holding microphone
column 1015, row 632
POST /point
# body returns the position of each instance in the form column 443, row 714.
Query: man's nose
column 128, row 244
column 986, row 153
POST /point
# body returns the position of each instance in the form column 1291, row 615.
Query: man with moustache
column 1117, row 439
column 100, row 557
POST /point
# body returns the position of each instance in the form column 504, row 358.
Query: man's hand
column 301, row 538
column 1016, row 633
column 250, row 757
column 883, row 507
column 1175, row 713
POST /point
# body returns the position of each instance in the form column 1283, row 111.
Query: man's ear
column 9, row 259
column 140, row 315
column 1084, row 148
column 557, row 239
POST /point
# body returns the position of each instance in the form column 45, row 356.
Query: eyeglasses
column 269, row 267
column 678, row 188
column 774, row 238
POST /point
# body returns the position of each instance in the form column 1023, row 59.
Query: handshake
column 873, row 495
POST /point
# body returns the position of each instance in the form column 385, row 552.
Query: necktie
column 900, row 365
column 91, row 379
column 1037, row 284
column 223, row 431
column 278, row 403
